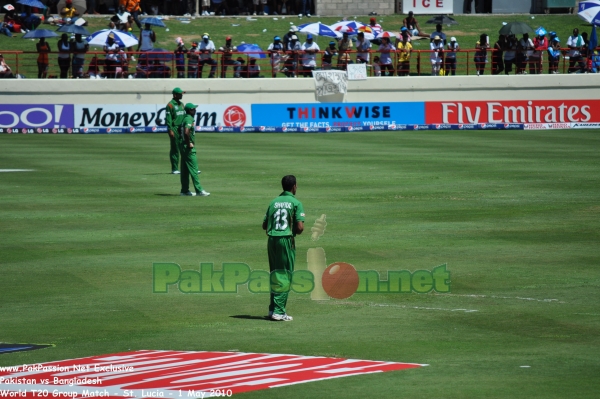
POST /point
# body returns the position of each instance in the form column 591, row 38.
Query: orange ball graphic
column 340, row 280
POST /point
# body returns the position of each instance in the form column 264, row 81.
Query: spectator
column 450, row 57
column 260, row 7
column 288, row 36
column 405, row 50
column 10, row 19
column 344, row 47
column 220, row 7
column 64, row 56
column 158, row 70
column 147, row 39
column 306, row 6
column 5, row 71
column 206, row 48
column 91, row 7
column 275, row 50
column 93, row 71
column 193, row 58
column 363, row 47
column 385, row 57
column 554, row 55
column 79, row 48
column 540, row 44
column 375, row 27
column 524, row 51
column 510, row 54
column 282, row 8
column 437, row 55
column 376, row 66
column 481, row 54
column 133, row 8
column 575, row 44
column 227, row 59
column 68, row 11
column 142, row 69
column 180, row 52
column 43, row 48
column 412, row 25
column 438, row 32
column 328, row 55
column 111, row 49
column 497, row 63
column 291, row 64
column 252, row 70
column 309, row 58
column 5, row 30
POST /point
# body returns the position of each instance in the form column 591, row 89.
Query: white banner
column 153, row 115
column 428, row 6
column 357, row 71
column 328, row 83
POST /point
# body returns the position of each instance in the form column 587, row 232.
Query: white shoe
column 308, row 15
column 175, row 172
column 203, row 193
column 132, row 58
column 253, row 13
column 299, row 15
column 188, row 194
column 265, row 13
column 187, row 14
column 281, row 317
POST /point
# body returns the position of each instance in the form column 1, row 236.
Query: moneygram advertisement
column 127, row 118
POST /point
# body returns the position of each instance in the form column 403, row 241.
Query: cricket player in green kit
column 174, row 117
column 187, row 146
column 283, row 220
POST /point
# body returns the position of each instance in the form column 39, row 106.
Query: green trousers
column 282, row 256
column 174, row 154
column 189, row 169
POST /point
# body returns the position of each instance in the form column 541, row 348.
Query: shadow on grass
column 248, row 317
column 167, row 195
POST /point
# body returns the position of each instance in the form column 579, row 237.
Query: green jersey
column 187, row 122
column 174, row 115
column 283, row 214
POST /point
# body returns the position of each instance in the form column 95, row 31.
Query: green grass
column 467, row 33
column 514, row 215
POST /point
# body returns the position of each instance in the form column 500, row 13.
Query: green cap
column 177, row 90
column 190, row 106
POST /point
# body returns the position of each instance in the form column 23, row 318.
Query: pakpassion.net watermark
column 339, row 280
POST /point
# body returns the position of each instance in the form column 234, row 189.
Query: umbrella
column 589, row 11
column 158, row 54
column 515, row 28
column 593, row 40
column 39, row 33
column 318, row 29
column 79, row 5
column 442, row 19
column 387, row 34
column 540, row 31
column 253, row 50
column 73, row 29
column 351, row 25
column 9, row 7
column 154, row 21
column 121, row 38
column 32, row 3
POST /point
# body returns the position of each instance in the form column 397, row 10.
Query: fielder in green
column 283, row 220
column 187, row 146
column 174, row 117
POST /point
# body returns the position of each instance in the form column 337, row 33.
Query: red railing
column 165, row 65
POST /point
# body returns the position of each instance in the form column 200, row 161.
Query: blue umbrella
column 154, row 21
column 253, row 50
column 39, row 33
column 32, row 3
column 593, row 40
column 319, row 29
column 74, row 29
column 589, row 11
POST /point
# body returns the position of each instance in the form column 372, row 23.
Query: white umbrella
column 121, row 38
column 589, row 11
column 319, row 29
